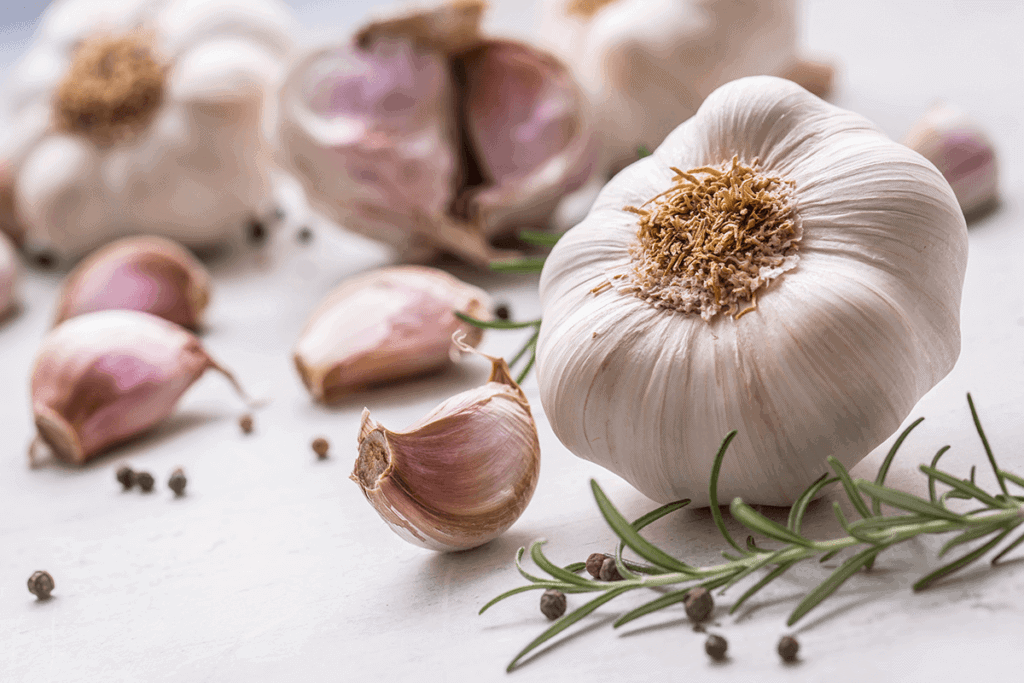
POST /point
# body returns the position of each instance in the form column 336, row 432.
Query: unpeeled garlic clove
column 424, row 134
column 962, row 152
column 101, row 378
column 461, row 475
column 149, row 274
column 8, row 276
column 383, row 326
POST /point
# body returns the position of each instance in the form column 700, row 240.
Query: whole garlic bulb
column 778, row 266
column 8, row 276
column 424, row 134
column 386, row 325
column 149, row 274
column 461, row 475
column 143, row 116
column 648, row 64
column 101, row 378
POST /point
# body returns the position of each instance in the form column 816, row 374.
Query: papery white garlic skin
column 197, row 172
column 461, row 475
column 380, row 130
column 384, row 326
column 963, row 153
column 8, row 276
column 149, row 274
column 101, row 378
column 836, row 353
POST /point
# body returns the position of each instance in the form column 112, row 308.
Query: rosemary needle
column 1000, row 514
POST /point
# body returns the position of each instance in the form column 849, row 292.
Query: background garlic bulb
column 425, row 134
column 783, row 269
column 142, row 116
column 8, row 277
column 461, row 475
column 648, row 64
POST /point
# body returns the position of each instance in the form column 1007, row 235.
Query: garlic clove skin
column 101, row 378
column 963, row 153
column 838, row 350
column 149, row 274
column 9, row 272
column 461, row 475
column 385, row 326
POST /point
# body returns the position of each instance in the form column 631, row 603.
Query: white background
column 273, row 567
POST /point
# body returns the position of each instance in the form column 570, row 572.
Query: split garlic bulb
column 963, row 153
column 778, row 266
column 386, row 325
column 149, row 274
column 648, row 64
column 8, row 276
column 461, row 475
column 143, row 116
column 426, row 135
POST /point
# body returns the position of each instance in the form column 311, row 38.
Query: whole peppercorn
column 320, row 447
column 257, row 232
column 145, row 481
column 40, row 584
column 304, row 235
column 788, row 648
column 552, row 603
column 716, row 646
column 609, row 572
column 245, row 423
column 126, row 475
column 594, row 563
column 177, row 482
column 699, row 604
column 501, row 312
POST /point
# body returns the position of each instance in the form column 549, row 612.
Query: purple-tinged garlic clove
column 149, row 274
column 963, row 153
column 9, row 224
column 461, row 475
column 102, row 378
column 8, row 276
column 384, row 326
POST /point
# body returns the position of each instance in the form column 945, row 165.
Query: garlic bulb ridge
column 777, row 266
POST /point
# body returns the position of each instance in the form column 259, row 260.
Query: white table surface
column 274, row 568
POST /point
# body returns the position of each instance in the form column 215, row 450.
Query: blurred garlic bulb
column 962, row 152
column 102, row 378
column 8, row 277
column 778, row 266
column 143, row 116
column 149, row 274
column 461, row 475
column 648, row 64
column 386, row 325
column 424, row 134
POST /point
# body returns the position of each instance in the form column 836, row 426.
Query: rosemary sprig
column 869, row 536
column 527, row 353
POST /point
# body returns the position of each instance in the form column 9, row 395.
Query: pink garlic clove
column 461, row 475
column 149, row 274
column 384, row 326
column 9, row 224
column 8, row 277
column 962, row 152
column 101, row 378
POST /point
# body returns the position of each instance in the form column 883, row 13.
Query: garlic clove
column 461, row 475
column 963, row 153
column 8, row 277
column 149, row 274
column 104, row 377
column 9, row 224
column 384, row 326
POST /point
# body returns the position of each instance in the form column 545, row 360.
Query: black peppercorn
column 304, row 235
column 716, row 646
column 552, row 603
column 788, row 648
column 245, row 423
column 699, row 604
column 257, row 232
column 501, row 312
column 40, row 584
column 126, row 475
column 609, row 572
column 145, row 481
column 320, row 447
column 594, row 563
column 177, row 482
